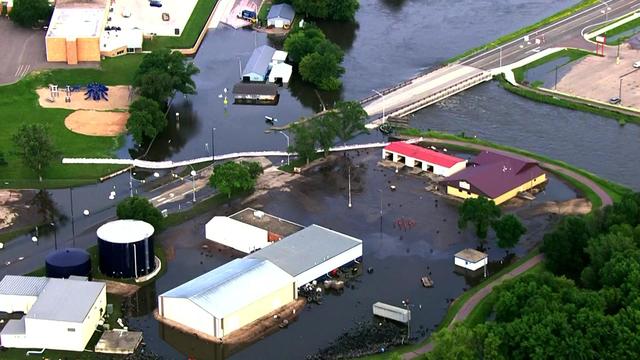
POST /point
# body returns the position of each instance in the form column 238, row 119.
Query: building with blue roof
column 228, row 297
column 259, row 64
column 281, row 16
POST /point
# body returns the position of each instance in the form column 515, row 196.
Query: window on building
column 71, row 329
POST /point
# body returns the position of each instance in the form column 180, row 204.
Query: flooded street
column 399, row 257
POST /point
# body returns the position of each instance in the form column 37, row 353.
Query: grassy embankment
column 631, row 25
column 190, row 33
column 613, row 189
column 264, row 11
column 526, row 30
column 19, row 105
column 571, row 55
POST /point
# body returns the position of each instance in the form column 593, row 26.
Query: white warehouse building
column 63, row 317
column 311, row 253
column 428, row 160
column 19, row 293
column 228, row 297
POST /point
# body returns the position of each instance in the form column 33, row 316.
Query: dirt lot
column 97, row 123
column 118, row 99
column 598, row 78
column 16, row 210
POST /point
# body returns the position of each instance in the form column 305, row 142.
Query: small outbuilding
column 255, row 93
column 259, row 63
column 471, row 259
column 311, row 253
column 428, row 160
column 281, row 16
column 280, row 74
column 228, row 297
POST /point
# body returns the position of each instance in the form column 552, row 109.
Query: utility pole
column 620, row 91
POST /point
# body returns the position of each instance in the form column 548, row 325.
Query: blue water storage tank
column 66, row 262
column 125, row 248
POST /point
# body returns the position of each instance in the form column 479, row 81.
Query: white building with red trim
column 426, row 159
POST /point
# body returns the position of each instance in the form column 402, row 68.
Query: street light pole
column 213, row 146
column 286, row 136
column 620, row 91
column 383, row 103
column 55, row 236
column 73, row 226
column 130, row 183
column 349, row 185
column 193, row 182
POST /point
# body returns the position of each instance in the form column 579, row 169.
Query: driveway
column 22, row 51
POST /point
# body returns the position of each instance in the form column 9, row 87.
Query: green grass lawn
column 264, row 11
column 572, row 55
column 526, row 30
column 19, row 104
column 631, row 25
column 191, row 32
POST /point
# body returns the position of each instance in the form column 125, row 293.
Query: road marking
column 18, row 70
column 25, row 70
column 535, row 50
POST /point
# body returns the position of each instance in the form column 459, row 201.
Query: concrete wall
column 469, row 265
column 16, row 303
column 258, row 309
column 185, row 312
column 325, row 267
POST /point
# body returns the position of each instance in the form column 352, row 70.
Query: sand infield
column 97, row 123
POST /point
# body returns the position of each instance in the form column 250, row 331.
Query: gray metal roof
column 232, row 286
column 307, row 248
column 66, row 300
column 259, row 61
column 14, row 327
column 284, row 11
column 22, row 285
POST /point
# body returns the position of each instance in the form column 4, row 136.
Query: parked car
column 636, row 64
column 615, row 100
column 155, row 3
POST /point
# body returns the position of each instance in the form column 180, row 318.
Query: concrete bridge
column 422, row 91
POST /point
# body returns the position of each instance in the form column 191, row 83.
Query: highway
column 565, row 32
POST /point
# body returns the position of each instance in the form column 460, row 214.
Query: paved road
column 565, row 32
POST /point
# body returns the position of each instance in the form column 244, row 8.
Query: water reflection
column 343, row 33
column 394, row 5
column 194, row 347
column 143, row 302
column 180, row 129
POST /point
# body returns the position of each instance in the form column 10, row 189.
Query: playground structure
column 96, row 92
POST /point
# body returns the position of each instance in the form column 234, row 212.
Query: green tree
column 162, row 73
column 318, row 9
column 564, row 248
column 34, row 146
column 303, row 41
column 254, row 167
column 145, row 120
column 508, row 231
column 480, row 211
column 349, row 120
column 28, row 13
column 324, row 131
column 321, row 71
column 139, row 208
column 343, row 10
column 304, row 143
column 233, row 178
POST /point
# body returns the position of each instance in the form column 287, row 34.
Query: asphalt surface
column 567, row 32
column 23, row 51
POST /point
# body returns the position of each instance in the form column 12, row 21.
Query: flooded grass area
column 397, row 256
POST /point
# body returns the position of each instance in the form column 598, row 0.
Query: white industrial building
column 228, row 297
column 471, row 259
column 63, row 317
column 249, row 230
column 311, row 253
column 428, row 160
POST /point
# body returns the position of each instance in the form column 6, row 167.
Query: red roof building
column 418, row 157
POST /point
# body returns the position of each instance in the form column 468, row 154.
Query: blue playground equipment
column 96, row 92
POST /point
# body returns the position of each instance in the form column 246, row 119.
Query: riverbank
column 19, row 105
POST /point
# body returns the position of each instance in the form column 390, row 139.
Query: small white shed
column 471, row 259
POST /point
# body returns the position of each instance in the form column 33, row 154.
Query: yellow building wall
column 88, row 49
column 56, row 49
column 258, row 309
column 72, row 51
column 504, row 197
column 116, row 52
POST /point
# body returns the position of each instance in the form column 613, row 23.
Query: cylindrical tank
column 125, row 248
column 66, row 262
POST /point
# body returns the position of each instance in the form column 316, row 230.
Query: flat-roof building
column 496, row 176
column 75, row 29
column 63, row 317
column 470, row 259
column 311, row 253
column 428, row 160
column 255, row 93
column 228, row 297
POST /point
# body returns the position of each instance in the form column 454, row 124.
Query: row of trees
column 590, row 308
column 484, row 213
column 341, row 10
column 161, row 74
column 345, row 121
column 317, row 57
column 29, row 13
